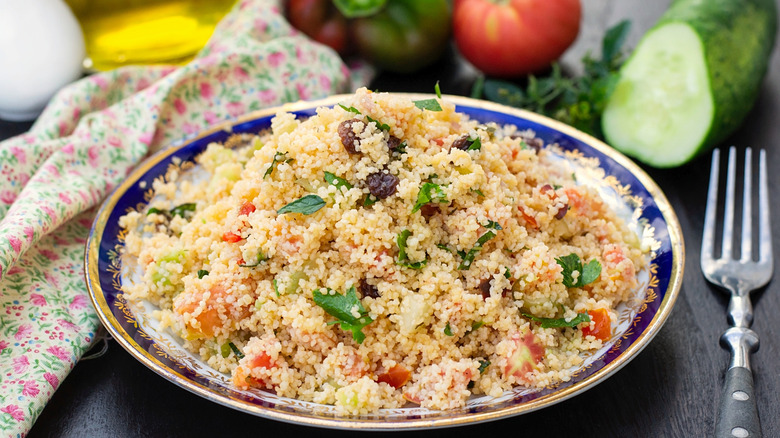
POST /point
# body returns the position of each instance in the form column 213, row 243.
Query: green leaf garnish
column 278, row 158
column 507, row 273
column 370, row 200
column 478, row 191
column 403, row 258
column 202, row 273
column 341, row 307
column 448, row 330
column 359, row 8
column 155, row 210
column 444, row 247
column 260, row 259
column 588, row 273
column 559, row 322
column 337, row 181
column 428, row 104
column 429, row 192
column 492, row 225
column 276, row 288
column 235, row 350
column 184, row 210
column 350, row 109
column 306, row 205
column 476, row 144
column 483, row 364
column 437, row 90
column 468, row 258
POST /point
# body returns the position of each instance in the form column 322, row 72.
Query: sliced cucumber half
column 661, row 109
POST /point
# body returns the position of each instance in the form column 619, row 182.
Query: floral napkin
column 85, row 142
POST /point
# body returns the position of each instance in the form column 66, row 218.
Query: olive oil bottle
column 122, row 32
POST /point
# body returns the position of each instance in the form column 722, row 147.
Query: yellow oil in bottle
column 122, row 32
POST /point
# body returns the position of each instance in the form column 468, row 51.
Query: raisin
column 429, row 210
column 367, row 289
column 534, row 143
column 394, row 142
column 382, row 185
column 462, row 143
column 484, row 288
column 348, row 137
column 562, row 211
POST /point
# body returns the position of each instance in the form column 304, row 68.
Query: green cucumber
column 691, row 80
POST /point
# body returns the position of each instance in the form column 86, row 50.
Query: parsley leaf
column 202, row 273
column 306, row 205
column 184, row 210
column 483, row 364
column 403, row 258
column 235, row 350
column 587, row 274
column 429, row 192
column 350, row 109
column 559, row 322
column 437, row 90
column 278, row 158
column 492, row 225
column 341, row 306
column 428, row 104
column 276, row 288
column 468, row 257
column 478, row 191
column 260, row 259
column 337, row 181
column 476, row 144
column 448, row 330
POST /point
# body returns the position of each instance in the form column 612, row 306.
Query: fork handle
column 738, row 413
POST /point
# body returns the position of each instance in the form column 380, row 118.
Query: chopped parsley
column 468, row 257
column 478, row 191
column 306, row 205
column 342, row 306
column 227, row 348
column 429, row 192
column 507, row 274
column 492, row 225
column 448, row 330
column 202, row 273
column 278, row 158
column 403, row 258
column 559, row 322
column 475, row 145
column 276, row 288
column 437, row 90
column 428, row 104
column 336, row 181
column 483, row 364
column 380, row 125
column 444, row 247
column 260, row 259
column 184, row 210
column 370, row 200
column 587, row 274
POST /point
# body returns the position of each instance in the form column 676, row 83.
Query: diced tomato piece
column 525, row 356
column 397, row 376
column 246, row 208
column 530, row 220
column 231, row 237
column 410, row 398
column 262, row 360
column 602, row 324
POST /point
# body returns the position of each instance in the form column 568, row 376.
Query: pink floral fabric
column 85, row 142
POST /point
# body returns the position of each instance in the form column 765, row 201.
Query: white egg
column 41, row 50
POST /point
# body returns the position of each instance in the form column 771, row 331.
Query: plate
column 621, row 182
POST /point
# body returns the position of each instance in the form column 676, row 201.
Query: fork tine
column 765, row 233
column 746, row 248
column 728, row 218
column 708, row 237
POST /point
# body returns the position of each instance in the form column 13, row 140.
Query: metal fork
column 738, row 414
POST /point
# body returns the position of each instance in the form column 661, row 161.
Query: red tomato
column 515, row 37
column 602, row 325
column 231, row 237
column 525, row 355
column 246, row 208
column 397, row 376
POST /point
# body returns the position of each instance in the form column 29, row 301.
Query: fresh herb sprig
column 403, row 258
column 587, row 273
column 184, row 210
column 429, row 192
column 559, row 322
column 342, row 306
column 309, row 204
column 577, row 101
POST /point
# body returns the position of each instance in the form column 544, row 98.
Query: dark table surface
column 670, row 389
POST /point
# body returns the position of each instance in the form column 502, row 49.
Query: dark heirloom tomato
column 405, row 35
column 510, row 38
column 395, row 35
column 320, row 20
